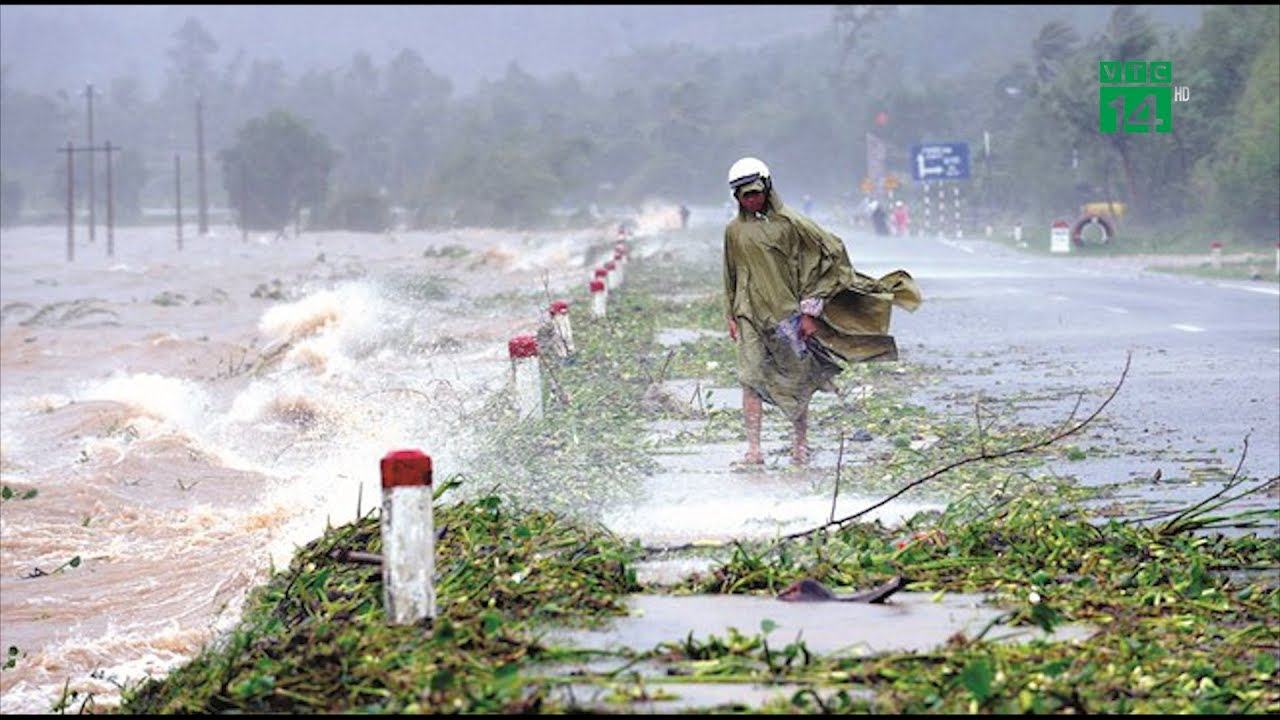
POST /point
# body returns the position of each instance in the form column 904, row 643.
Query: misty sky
column 46, row 47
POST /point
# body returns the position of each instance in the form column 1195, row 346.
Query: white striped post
column 408, row 538
column 599, row 298
column 615, row 273
column 928, row 218
column 526, row 377
column 1215, row 254
column 560, row 325
column 603, row 276
column 955, row 195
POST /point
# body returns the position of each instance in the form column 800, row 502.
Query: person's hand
column 807, row 327
column 733, row 329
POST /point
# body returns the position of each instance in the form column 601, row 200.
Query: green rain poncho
column 774, row 261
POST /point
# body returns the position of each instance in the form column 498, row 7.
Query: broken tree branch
column 556, row 387
column 977, row 419
column 984, row 455
column 836, row 493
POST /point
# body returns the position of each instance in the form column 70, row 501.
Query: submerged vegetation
column 1175, row 617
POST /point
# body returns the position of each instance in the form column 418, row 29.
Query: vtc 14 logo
column 1136, row 96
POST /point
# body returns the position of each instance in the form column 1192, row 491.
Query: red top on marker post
column 611, row 266
column 597, row 286
column 601, row 272
column 405, row 468
column 522, row 346
column 559, row 307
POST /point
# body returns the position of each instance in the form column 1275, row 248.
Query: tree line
column 346, row 144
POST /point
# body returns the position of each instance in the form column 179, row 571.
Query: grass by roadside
column 1261, row 268
column 1134, row 241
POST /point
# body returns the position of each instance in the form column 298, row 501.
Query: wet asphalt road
column 1039, row 329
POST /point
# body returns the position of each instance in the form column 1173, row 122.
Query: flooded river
column 187, row 418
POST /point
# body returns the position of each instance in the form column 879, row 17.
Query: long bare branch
column 984, row 455
column 836, row 493
column 1169, row 527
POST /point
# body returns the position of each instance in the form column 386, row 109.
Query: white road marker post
column 560, row 325
column 1215, row 255
column 615, row 274
column 526, row 376
column 599, row 298
column 1060, row 237
column 603, row 276
column 408, row 538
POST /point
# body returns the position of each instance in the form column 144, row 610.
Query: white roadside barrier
column 526, row 377
column 560, row 325
column 599, row 298
column 408, row 538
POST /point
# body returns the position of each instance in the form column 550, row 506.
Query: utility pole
column 200, row 180
column 986, row 173
column 177, row 195
column 108, row 148
column 88, row 93
column 71, row 200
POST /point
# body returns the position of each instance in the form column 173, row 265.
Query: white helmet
column 746, row 170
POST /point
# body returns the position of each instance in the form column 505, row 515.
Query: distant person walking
column 684, row 217
column 795, row 306
column 879, row 218
column 900, row 219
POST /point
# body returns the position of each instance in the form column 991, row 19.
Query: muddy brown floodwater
column 188, row 418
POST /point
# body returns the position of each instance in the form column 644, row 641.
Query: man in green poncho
column 796, row 307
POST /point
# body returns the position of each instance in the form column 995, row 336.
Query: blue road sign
column 940, row 161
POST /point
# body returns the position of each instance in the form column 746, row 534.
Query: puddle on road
column 712, row 398
column 909, row 622
column 677, row 697
column 681, row 507
column 671, row 570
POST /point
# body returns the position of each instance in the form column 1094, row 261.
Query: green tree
column 1128, row 36
column 190, row 58
column 1240, row 176
column 277, row 167
column 1051, row 47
